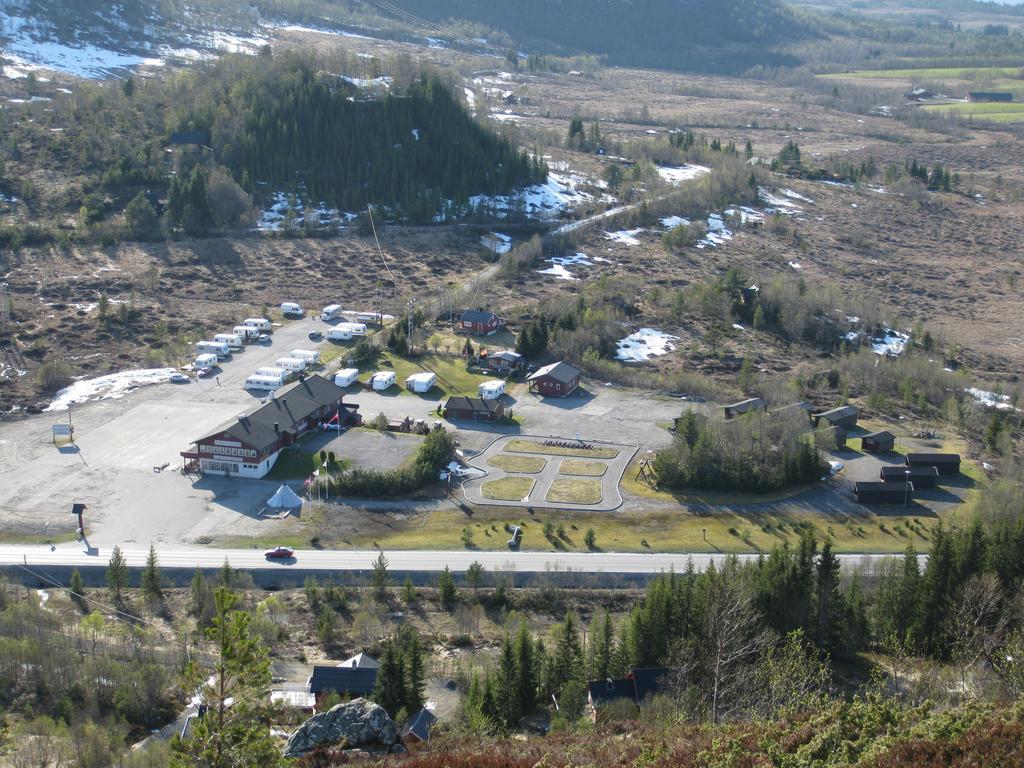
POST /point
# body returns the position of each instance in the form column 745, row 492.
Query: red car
column 281, row 553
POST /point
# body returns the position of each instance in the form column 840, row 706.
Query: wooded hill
column 283, row 122
column 709, row 35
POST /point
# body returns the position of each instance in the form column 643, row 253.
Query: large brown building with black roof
column 249, row 446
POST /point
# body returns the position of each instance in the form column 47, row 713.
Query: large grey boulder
column 357, row 724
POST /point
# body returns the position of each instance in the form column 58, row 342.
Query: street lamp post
column 906, row 488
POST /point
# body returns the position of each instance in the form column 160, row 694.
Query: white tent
column 285, row 498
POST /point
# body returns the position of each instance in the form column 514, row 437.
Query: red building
column 480, row 322
column 249, row 446
column 556, row 380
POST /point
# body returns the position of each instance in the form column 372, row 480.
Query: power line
column 394, row 280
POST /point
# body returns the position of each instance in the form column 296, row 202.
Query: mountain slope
column 724, row 35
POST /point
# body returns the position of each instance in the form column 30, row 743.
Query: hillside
column 710, row 35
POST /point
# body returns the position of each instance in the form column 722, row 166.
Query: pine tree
column 117, row 573
column 526, row 670
column 76, row 585
column 506, row 694
column 600, row 648
column 379, row 578
column 446, row 589
column 389, row 689
column 828, row 632
column 150, row 583
column 235, row 688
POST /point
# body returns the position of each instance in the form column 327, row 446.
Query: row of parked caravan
column 224, row 344
column 271, row 378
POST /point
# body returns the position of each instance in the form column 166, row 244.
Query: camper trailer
column 263, row 383
column 261, row 324
column 247, row 332
column 331, row 312
column 421, row 382
column 291, row 309
column 491, row 390
column 368, row 317
column 311, row 357
column 294, row 364
column 273, row 371
column 204, row 362
column 346, row 377
column 339, row 334
column 383, row 380
column 218, row 348
column 233, row 340
column 356, row 329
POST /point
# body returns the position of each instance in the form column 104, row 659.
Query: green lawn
column 452, row 376
column 507, row 489
column 527, row 464
column 1006, row 112
column 532, row 446
column 585, row 468
column 572, row 490
column 928, row 73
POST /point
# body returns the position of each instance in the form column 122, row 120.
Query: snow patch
column 625, row 236
column 891, row 343
column 559, row 193
column 990, row 399
column 671, row 222
column 496, row 242
column 644, row 344
column 677, row 175
column 376, row 82
column 110, row 387
column 559, row 264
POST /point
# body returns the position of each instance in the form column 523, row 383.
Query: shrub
column 54, row 374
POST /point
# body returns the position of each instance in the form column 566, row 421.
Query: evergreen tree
column 389, row 689
column 936, row 592
column 379, row 578
column 526, row 670
column 506, row 693
column 600, row 649
column 446, row 589
column 117, row 573
column 412, row 653
column 828, row 629
column 76, row 585
column 235, row 688
column 150, row 583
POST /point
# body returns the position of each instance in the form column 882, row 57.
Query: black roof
column 560, row 371
column 285, row 409
column 875, row 485
column 991, row 95
column 358, row 682
column 647, row 680
column 842, row 412
column 884, row 435
column 901, row 471
column 474, row 404
column 477, row 316
column 745, row 405
column 611, row 690
column 420, row 725
column 931, row 459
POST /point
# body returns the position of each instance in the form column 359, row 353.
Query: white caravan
column 383, row 380
column 291, row 309
column 346, row 377
column 312, row 357
column 294, row 364
column 339, row 334
column 218, row 348
column 233, row 340
column 357, row 329
column 421, row 382
column 261, row 324
column 247, row 332
column 331, row 312
column 491, row 390
column 204, row 362
column 263, row 383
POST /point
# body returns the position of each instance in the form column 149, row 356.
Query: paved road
column 75, row 555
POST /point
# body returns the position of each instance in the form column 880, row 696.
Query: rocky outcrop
column 358, row 724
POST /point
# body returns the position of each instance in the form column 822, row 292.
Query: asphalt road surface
column 77, row 555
